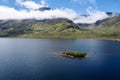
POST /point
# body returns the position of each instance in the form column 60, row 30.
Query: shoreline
column 59, row 38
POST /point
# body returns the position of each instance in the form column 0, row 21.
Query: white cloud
column 30, row 4
column 24, row 14
column 43, row 3
column 94, row 15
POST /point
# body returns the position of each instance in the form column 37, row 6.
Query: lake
column 39, row 59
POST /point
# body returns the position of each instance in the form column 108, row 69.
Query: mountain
column 106, row 28
column 110, row 27
column 37, row 28
column 97, row 23
column 43, row 9
column 112, row 14
column 91, row 26
column 60, row 28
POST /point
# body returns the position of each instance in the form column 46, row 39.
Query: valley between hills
column 60, row 28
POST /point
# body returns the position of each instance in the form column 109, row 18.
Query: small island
column 74, row 54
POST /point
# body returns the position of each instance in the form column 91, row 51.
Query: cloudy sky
column 71, row 9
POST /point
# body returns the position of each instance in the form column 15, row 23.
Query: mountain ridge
column 60, row 28
column 30, row 26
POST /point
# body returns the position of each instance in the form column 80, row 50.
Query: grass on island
column 74, row 54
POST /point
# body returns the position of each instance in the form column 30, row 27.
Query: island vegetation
column 74, row 54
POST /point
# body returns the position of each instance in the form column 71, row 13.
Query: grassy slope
column 109, row 28
column 58, row 28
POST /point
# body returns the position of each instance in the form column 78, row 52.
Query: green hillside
column 51, row 28
column 109, row 28
column 60, row 28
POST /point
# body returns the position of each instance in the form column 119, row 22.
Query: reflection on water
column 36, row 59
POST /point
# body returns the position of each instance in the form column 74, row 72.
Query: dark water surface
column 38, row 59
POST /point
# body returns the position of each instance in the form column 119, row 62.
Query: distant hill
column 110, row 27
column 43, row 9
column 106, row 28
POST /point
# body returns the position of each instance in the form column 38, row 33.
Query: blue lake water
column 39, row 59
